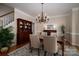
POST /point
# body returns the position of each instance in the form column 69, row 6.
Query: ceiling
column 4, row 9
column 51, row 9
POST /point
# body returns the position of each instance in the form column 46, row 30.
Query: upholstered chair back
column 50, row 44
column 35, row 42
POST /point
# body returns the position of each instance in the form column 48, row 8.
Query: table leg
column 63, row 46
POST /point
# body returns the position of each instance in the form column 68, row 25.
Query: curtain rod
column 7, row 13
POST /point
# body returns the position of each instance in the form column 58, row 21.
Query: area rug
column 24, row 51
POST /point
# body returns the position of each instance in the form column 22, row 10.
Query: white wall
column 23, row 15
column 75, row 26
column 69, row 27
column 65, row 20
column 38, row 27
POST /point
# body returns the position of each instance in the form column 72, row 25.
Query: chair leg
column 55, row 54
column 29, row 45
column 38, row 52
column 31, row 49
column 42, row 47
column 45, row 52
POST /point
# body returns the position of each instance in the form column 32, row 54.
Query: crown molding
column 75, row 9
column 63, row 15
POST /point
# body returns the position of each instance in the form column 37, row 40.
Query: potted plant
column 63, row 34
column 6, row 38
column 63, row 29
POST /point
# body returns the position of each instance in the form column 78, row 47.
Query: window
column 7, row 19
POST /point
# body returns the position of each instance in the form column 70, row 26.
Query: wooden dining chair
column 50, row 45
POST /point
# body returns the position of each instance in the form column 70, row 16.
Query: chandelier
column 42, row 17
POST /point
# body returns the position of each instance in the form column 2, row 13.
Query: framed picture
column 50, row 27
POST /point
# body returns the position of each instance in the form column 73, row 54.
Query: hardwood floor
column 14, row 48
